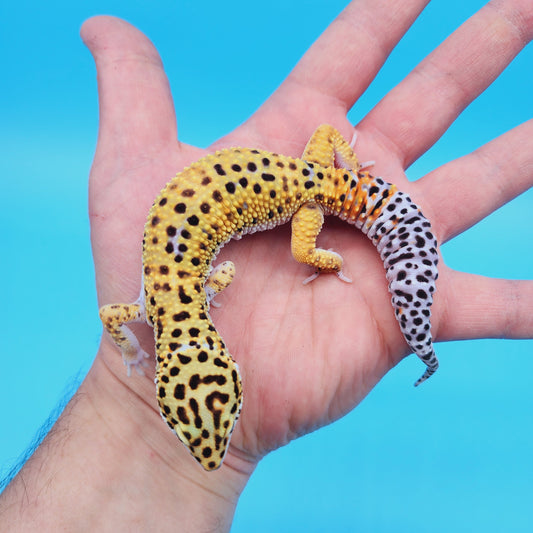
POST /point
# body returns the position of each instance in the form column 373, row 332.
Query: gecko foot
column 365, row 164
column 310, row 278
column 343, row 277
column 315, row 275
column 136, row 361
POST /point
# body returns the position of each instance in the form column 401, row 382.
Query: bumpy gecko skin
column 238, row 191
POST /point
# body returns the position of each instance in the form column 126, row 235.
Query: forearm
column 96, row 472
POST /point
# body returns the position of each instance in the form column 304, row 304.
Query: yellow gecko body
column 238, row 191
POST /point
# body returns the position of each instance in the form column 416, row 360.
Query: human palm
column 308, row 354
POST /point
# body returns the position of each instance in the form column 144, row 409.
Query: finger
column 480, row 307
column 420, row 109
column 348, row 55
column 339, row 65
column 483, row 181
column 136, row 109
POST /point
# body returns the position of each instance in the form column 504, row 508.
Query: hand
column 308, row 354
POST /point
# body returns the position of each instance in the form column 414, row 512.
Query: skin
column 110, row 462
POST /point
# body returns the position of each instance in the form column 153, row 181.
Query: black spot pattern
column 411, row 269
column 237, row 192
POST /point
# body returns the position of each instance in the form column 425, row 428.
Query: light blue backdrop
column 455, row 455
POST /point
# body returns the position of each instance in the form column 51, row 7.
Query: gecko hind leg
column 220, row 277
column 306, row 225
column 114, row 317
column 327, row 146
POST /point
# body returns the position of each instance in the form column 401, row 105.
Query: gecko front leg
column 114, row 318
column 221, row 276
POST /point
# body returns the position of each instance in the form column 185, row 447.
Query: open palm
column 308, row 354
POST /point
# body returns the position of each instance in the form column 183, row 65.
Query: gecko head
column 201, row 408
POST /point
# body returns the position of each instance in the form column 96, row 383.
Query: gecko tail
column 430, row 370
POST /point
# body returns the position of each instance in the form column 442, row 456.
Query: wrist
column 110, row 459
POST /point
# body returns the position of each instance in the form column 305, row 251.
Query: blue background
column 453, row 455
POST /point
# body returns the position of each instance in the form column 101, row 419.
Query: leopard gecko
column 238, row 191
